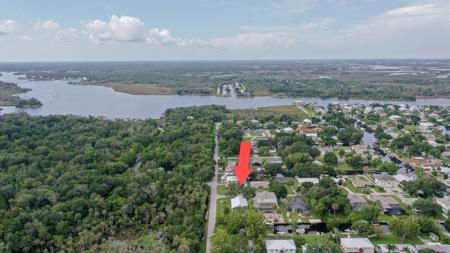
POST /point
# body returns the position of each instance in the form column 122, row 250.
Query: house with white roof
column 307, row 121
column 405, row 177
column 302, row 180
column 385, row 180
column 280, row 246
column 231, row 179
column 238, row 202
column 357, row 245
column 437, row 247
column 313, row 136
column 425, row 126
column 445, row 170
column 395, row 118
column 384, row 248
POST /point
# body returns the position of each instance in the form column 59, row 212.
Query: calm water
column 58, row 97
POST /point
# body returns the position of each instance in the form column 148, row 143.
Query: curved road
column 213, row 196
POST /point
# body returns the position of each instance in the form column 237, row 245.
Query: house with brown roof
column 388, row 204
column 356, row 201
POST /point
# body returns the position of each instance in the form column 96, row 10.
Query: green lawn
column 343, row 167
column 352, row 188
column 203, row 243
column 221, row 190
column 388, row 218
column 393, row 239
column 221, row 203
column 286, row 109
column 378, row 189
column 403, row 205
column 283, row 210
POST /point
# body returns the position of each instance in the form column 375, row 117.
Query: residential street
column 213, row 196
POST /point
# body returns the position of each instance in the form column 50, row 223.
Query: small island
column 8, row 97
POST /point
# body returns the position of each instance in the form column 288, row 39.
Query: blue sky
column 63, row 30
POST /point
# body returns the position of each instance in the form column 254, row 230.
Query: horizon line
column 225, row 60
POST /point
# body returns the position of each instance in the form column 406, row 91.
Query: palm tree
column 335, row 207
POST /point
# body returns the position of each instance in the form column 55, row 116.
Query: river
column 59, row 97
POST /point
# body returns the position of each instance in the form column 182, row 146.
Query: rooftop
column 238, row 201
column 353, row 198
column 356, row 243
column 265, row 196
column 384, row 177
column 280, row 245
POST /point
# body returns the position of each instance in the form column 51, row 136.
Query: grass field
column 393, row 239
column 283, row 109
column 271, row 110
column 140, row 89
column 352, row 188
column 343, row 167
column 261, row 93
column 221, row 189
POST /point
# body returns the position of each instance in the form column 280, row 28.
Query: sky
column 141, row 30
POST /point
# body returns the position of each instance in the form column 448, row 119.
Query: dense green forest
column 89, row 184
column 8, row 98
column 343, row 89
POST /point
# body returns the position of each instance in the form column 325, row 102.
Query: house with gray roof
column 265, row 202
column 298, row 205
column 356, row 201
column 385, row 180
column 388, row 204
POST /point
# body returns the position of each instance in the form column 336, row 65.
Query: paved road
column 213, row 196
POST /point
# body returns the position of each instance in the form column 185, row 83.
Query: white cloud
column 412, row 21
column 131, row 29
column 25, row 38
column 8, row 27
column 160, row 36
column 418, row 29
column 420, row 9
column 68, row 35
column 322, row 23
column 49, row 25
column 292, row 6
column 255, row 40
column 118, row 29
